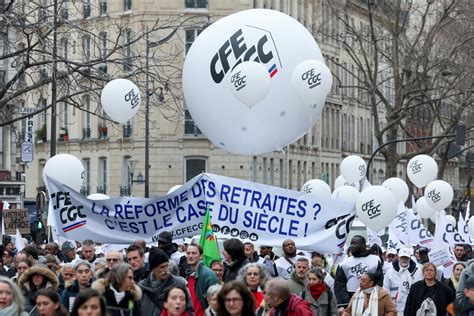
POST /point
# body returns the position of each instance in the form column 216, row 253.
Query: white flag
column 19, row 241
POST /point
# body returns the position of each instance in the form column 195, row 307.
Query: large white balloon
column 421, row 170
column 376, row 207
column 174, row 188
column 120, row 99
column 340, row 181
column 423, row 209
column 451, row 219
column 317, row 187
column 98, row 197
column 346, row 193
column 312, row 81
column 439, row 194
column 66, row 169
column 353, row 168
column 398, row 187
column 271, row 38
column 434, row 217
column 250, row 82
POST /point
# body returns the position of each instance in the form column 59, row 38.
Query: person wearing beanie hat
column 153, row 287
column 69, row 251
column 165, row 243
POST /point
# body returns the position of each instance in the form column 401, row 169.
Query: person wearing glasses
column 218, row 268
column 112, row 258
column 428, row 294
column 122, row 296
column 255, row 276
column 199, row 278
column 235, row 299
column 84, row 279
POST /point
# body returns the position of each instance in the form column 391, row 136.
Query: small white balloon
column 174, row 188
column 434, row 218
column 317, row 187
column 398, row 187
column 340, row 181
column 421, row 170
column 250, row 82
column 376, row 207
column 423, row 209
column 439, row 194
column 353, row 168
column 346, row 193
column 312, row 82
column 470, row 226
column 120, row 99
column 98, row 197
column 451, row 219
column 66, row 169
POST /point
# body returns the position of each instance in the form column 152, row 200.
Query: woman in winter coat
column 122, row 296
column 319, row 294
column 363, row 301
column 234, row 255
column 84, row 278
column 441, row 296
column 36, row 278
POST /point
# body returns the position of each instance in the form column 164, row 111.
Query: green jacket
column 205, row 278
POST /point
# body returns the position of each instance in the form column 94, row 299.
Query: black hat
column 165, row 237
column 67, row 246
column 423, row 249
column 157, row 257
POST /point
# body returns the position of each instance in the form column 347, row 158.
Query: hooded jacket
column 296, row 307
column 26, row 283
column 397, row 281
column 461, row 302
column 128, row 306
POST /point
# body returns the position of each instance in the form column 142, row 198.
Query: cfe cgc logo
column 372, row 210
column 312, row 78
column 434, row 195
column 415, row 166
column 247, row 43
column 239, row 81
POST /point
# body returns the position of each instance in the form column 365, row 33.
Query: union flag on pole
column 208, row 241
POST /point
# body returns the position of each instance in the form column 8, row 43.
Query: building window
column 65, row 48
column 103, row 52
column 86, row 45
column 87, row 8
column 190, row 128
column 102, row 188
column 125, row 189
column 190, row 36
column 103, row 7
column 196, row 4
column 127, row 5
column 194, row 166
column 87, row 176
column 127, row 64
column 65, row 10
column 65, row 115
column 86, row 130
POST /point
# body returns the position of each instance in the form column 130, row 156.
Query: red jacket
column 296, row 307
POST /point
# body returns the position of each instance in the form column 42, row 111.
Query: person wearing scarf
column 453, row 282
column 319, row 294
column 370, row 299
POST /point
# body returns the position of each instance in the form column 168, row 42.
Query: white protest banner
column 444, row 232
column 373, row 237
column 439, row 256
column 463, row 231
column 393, row 241
column 417, row 233
column 242, row 209
column 399, row 226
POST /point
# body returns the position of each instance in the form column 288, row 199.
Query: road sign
column 27, row 152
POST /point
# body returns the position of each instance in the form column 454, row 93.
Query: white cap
column 391, row 251
column 404, row 252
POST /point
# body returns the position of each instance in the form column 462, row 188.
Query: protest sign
column 239, row 209
column 17, row 218
column 439, row 256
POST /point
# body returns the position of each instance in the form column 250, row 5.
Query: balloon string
column 249, row 149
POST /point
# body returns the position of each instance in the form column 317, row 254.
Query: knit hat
column 67, row 246
column 157, row 257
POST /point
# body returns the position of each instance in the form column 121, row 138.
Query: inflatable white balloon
column 66, row 169
column 317, row 187
column 346, row 193
column 120, row 99
column 470, row 226
column 398, row 187
column 250, row 82
column 439, row 194
column 452, row 220
column 174, row 188
column 353, row 168
column 421, row 170
column 423, row 209
column 434, row 217
column 340, row 181
column 376, row 207
column 98, row 197
column 312, row 81
column 271, row 38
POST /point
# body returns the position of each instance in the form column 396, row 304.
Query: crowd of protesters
column 171, row 280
